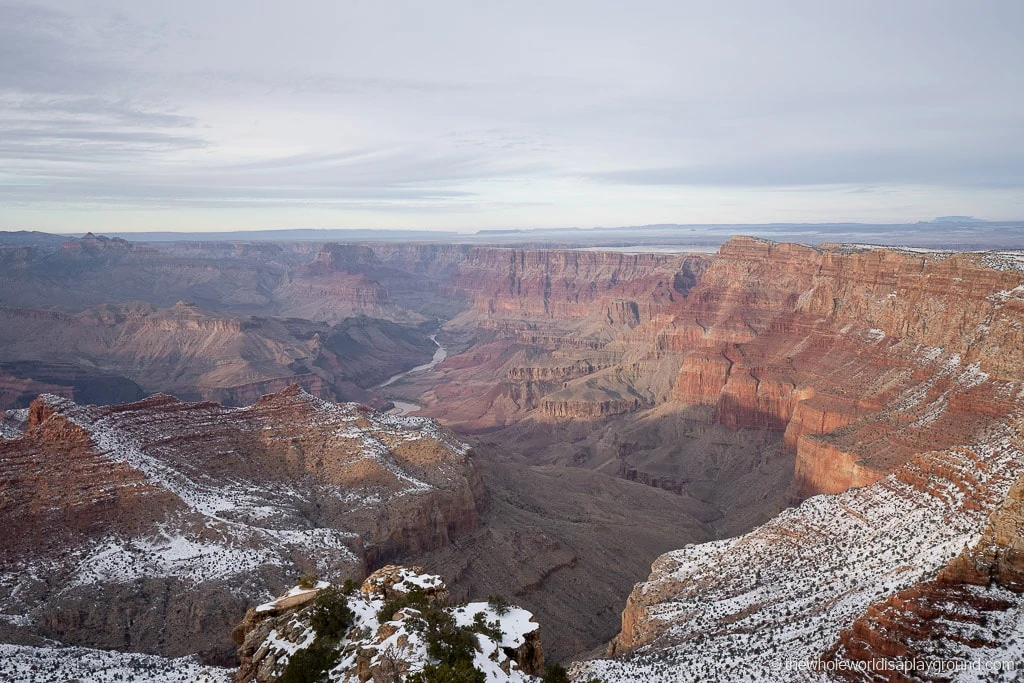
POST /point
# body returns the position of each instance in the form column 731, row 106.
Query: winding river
column 404, row 407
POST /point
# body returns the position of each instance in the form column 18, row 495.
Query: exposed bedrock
column 149, row 526
column 974, row 604
column 858, row 358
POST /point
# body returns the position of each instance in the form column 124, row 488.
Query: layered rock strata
column 771, row 604
column 111, row 354
column 147, row 526
column 969, row 616
column 858, row 358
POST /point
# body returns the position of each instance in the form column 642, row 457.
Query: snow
column 740, row 608
column 23, row 664
column 937, row 254
column 12, row 423
column 234, row 527
column 401, row 639
column 1004, row 260
column 295, row 591
column 1017, row 294
column 124, row 560
column 412, row 580
column 514, row 622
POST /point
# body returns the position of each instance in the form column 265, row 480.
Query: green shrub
column 461, row 672
column 331, row 615
column 491, row 629
column 555, row 673
column 310, row 664
column 499, row 603
column 446, row 642
column 451, row 647
column 414, row 598
column 307, row 581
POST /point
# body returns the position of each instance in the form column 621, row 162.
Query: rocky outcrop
column 381, row 646
column 59, row 488
column 822, row 467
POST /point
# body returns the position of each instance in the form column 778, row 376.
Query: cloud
column 587, row 107
column 856, row 167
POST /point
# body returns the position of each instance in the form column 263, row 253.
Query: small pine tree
column 310, row 664
column 460, row 672
column 331, row 616
column 555, row 673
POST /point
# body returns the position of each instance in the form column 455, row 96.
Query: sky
column 247, row 114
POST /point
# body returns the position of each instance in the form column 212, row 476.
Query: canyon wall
column 854, row 358
column 115, row 353
column 844, row 576
column 835, row 349
column 152, row 526
column 857, row 358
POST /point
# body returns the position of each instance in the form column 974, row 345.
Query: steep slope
column 565, row 543
column 768, row 604
column 855, row 358
column 149, row 526
column 968, row 620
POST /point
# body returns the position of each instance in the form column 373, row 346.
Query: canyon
column 151, row 526
column 772, row 405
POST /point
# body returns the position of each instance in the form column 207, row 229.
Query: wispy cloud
column 591, row 112
column 941, row 168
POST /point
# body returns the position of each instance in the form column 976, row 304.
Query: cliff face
column 561, row 284
column 340, row 282
column 857, row 359
column 964, row 613
column 845, row 569
column 839, row 347
column 141, row 519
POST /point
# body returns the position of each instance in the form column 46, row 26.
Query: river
column 404, row 407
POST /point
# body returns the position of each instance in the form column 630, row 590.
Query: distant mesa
column 957, row 219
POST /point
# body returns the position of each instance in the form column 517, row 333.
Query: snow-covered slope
column 12, row 422
column 129, row 514
column 24, row 664
column 763, row 605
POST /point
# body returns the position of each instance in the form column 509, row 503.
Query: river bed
column 404, row 407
